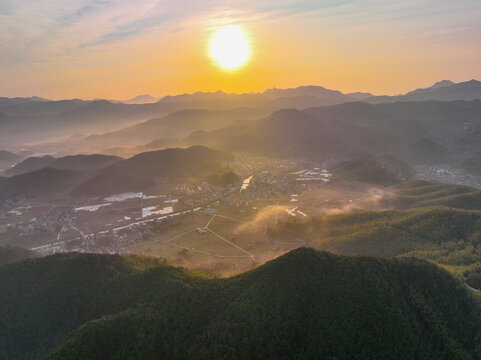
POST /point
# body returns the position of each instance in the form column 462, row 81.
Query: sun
column 229, row 47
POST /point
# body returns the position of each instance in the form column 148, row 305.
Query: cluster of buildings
column 54, row 221
column 316, row 175
column 448, row 175
column 135, row 216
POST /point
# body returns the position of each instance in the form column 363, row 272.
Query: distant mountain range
column 21, row 100
column 442, row 91
column 355, row 129
column 143, row 171
column 142, row 99
column 175, row 125
column 8, row 159
column 38, row 120
column 380, row 170
column 44, row 183
column 104, row 175
column 416, row 299
column 72, row 162
column 426, row 132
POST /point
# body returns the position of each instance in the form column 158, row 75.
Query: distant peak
column 142, row 99
column 442, row 83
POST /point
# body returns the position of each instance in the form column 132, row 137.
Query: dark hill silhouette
column 45, row 120
column 380, row 170
column 294, row 132
column 71, row 162
column 305, row 304
column 352, row 129
column 440, row 91
column 332, row 96
column 472, row 164
column 441, row 83
column 39, row 183
column 113, row 181
column 426, row 151
column 359, row 96
column 8, row 158
column 143, row 170
column 437, row 85
column 141, row 99
column 30, row 164
column 20, row 100
column 175, row 125
column 9, row 254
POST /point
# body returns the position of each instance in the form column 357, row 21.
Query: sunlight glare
column 229, row 47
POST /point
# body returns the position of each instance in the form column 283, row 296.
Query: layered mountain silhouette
column 43, row 119
column 71, row 162
column 105, row 175
column 444, row 90
column 144, row 170
column 175, row 125
column 40, row 183
column 8, row 158
column 142, row 99
column 356, row 129
column 426, row 151
column 381, row 170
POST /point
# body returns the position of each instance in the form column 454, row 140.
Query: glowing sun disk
column 229, row 47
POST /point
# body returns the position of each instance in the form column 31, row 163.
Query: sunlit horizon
column 117, row 50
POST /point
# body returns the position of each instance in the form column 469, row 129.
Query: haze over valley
column 196, row 180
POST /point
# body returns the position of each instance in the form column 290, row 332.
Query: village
column 119, row 222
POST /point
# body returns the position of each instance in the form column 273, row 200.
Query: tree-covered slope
column 72, row 162
column 305, row 304
column 44, row 299
column 380, row 170
column 451, row 237
column 422, row 193
column 143, row 170
column 10, row 254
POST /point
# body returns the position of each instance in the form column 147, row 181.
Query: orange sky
column 115, row 50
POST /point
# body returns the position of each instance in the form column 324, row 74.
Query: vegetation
column 224, row 179
column 42, row 182
column 72, row 162
column 380, row 170
column 305, row 304
column 6, row 157
column 447, row 236
column 421, row 193
column 143, row 170
column 426, row 151
column 472, row 165
column 10, row 254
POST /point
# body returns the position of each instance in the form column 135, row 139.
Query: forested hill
column 305, row 304
column 10, row 254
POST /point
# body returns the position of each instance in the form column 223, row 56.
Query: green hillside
column 305, row 304
column 450, row 237
column 10, row 254
column 143, row 170
column 380, row 170
column 421, row 193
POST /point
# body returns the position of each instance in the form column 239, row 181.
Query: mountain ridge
column 330, row 305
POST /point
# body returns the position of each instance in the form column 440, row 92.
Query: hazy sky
column 122, row 48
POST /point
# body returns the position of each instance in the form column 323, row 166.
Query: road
column 83, row 236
